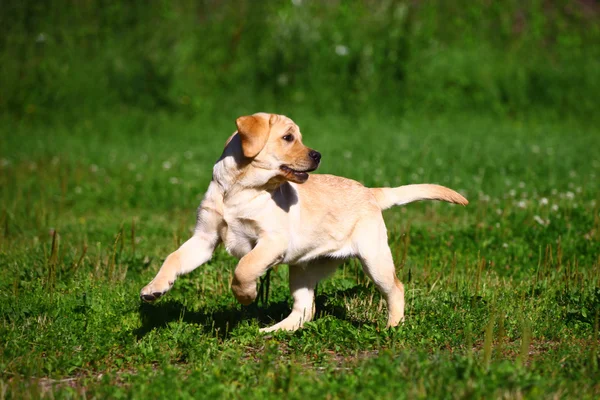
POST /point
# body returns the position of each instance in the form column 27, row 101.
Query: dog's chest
column 248, row 216
column 239, row 233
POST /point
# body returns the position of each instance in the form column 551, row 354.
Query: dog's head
column 273, row 142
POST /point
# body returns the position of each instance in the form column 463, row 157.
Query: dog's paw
column 244, row 293
column 155, row 289
column 288, row 324
column 394, row 321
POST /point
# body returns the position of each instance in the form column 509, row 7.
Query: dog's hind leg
column 376, row 258
column 303, row 280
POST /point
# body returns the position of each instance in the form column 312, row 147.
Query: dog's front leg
column 193, row 253
column 265, row 254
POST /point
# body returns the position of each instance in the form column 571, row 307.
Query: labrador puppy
column 266, row 210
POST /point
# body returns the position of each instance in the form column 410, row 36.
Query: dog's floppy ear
column 254, row 132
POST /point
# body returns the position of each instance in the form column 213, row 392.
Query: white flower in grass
column 505, row 245
column 188, row 154
column 282, row 80
column 521, row 184
column 347, row 154
column 341, row 50
column 554, row 207
column 78, row 190
column 4, row 162
column 131, row 166
column 499, row 211
column 540, row 220
column 512, row 192
column 484, row 197
column 578, row 189
column 572, row 174
column 297, row 3
column 535, row 149
column 593, row 203
column 93, row 168
column 522, row 204
column 167, row 165
column 174, row 180
column 543, row 201
column 570, row 195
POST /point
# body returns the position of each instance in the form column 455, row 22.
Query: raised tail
column 388, row 197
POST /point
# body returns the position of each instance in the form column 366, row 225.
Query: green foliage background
column 508, row 57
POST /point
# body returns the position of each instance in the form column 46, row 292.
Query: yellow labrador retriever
column 262, row 205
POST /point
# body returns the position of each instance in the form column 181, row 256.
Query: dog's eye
column 288, row 138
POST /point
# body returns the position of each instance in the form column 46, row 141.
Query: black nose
column 315, row 155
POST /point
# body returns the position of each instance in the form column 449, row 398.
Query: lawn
column 503, row 295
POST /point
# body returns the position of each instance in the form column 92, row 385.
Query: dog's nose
column 315, row 155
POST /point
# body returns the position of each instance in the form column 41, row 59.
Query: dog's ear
column 254, row 132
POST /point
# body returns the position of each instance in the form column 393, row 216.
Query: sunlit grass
column 502, row 295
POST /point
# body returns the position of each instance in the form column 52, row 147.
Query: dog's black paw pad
column 151, row 297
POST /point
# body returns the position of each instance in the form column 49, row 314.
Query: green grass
column 503, row 296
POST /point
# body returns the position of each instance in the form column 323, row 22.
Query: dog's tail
column 388, row 197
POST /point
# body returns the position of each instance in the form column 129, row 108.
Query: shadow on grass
column 222, row 322
column 216, row 323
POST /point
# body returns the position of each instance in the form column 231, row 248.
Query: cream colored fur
column 266, row 210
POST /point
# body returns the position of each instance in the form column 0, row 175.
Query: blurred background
column 72, row 59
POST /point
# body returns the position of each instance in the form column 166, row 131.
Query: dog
column 266, row 209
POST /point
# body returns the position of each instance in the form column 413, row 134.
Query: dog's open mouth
column 295, row 175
